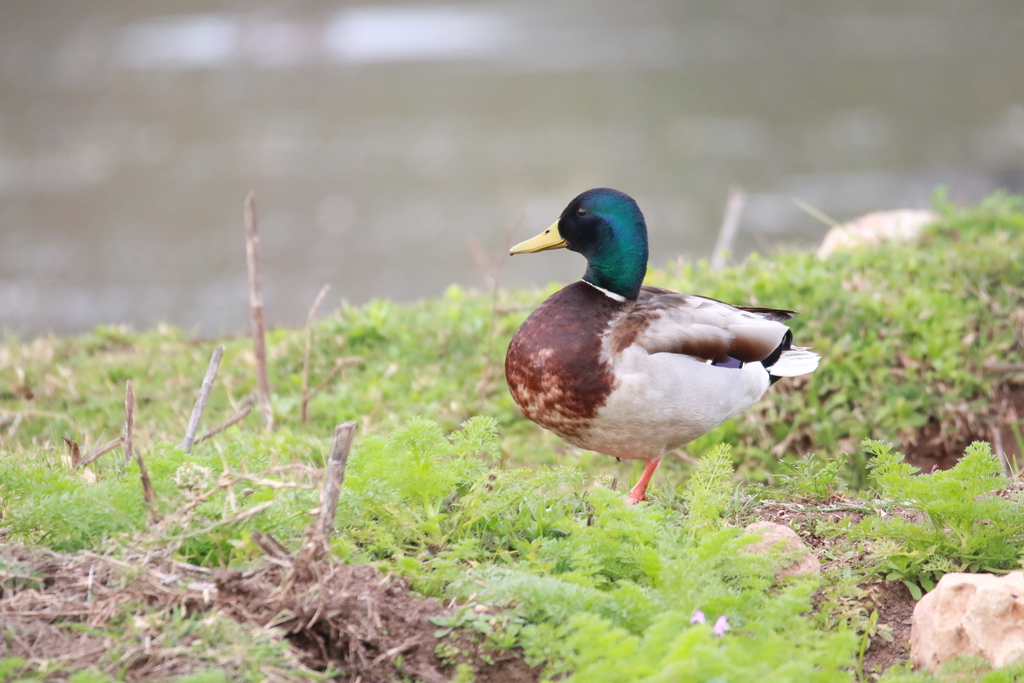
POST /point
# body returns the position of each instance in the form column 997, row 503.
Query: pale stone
column 969, row 614
column 780, row 538
column 902, row 224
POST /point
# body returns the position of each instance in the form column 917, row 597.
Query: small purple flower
column 721, row 626
column 697, row 618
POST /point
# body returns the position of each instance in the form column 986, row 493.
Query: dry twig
column 492, row 269
column 689, row 459
column 239, row 517
column 237, row 417
column 105, row 448
column 1000, row 451
column 730, row 225
column 339, row 365
column 335, row 477
column 271, row 546
column 252, row 257
column 183, row 514
column 147, row 490
column 129, row 420
column 204, row 395
column 995, row 366
column 309, row 347
column 14, row 423
column 74, row 450
column 319, row 530
column 147, row 486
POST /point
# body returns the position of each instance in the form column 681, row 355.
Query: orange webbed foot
column 639, row 492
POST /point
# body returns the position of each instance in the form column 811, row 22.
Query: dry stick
column 241, row 516
column 105, row 448
column 74, row 450
column 271, row 546
column 993, row 366
column 686, row 458
column 492, row 270
column 237, row 417
column 309, row 347
column 997, row 445
column 204, row 395
column 730, row 225
column 183, row 513
column 147, row 489
column 129, row 417
column 252, row 257
column 335, row 477
column 339, row 365
column 15, row 423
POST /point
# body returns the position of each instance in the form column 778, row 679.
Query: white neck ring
column 610, row 295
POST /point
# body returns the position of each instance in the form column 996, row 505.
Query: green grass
column 449, row 486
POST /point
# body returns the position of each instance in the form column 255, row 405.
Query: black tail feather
column 773, row 357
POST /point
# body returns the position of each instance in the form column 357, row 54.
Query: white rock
column 780, row 538
column 969, row 614
column 902, row 224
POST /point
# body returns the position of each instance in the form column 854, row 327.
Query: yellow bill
column 549, row 239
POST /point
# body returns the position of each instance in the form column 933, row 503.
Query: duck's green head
column 606, row 226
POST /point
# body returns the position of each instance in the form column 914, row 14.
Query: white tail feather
column 794, row 362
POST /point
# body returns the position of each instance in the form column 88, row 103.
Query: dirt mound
column 891, row 599
column 64, row 610
column 939, row 444
column 368, row 624
column 59, row 610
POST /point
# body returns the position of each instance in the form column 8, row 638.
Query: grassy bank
column 521, row 535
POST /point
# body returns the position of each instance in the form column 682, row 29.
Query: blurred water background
column 394, row 148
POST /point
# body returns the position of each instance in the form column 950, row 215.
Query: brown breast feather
column 555, row 367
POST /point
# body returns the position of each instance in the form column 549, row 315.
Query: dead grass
column 135, row 618
column 66, row 612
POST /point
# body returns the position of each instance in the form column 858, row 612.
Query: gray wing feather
column 667, row 322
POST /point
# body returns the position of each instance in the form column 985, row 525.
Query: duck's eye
column 581, row 212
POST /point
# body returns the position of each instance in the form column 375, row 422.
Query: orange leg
column 639, row 492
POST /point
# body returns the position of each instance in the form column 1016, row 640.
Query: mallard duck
column 633, row 371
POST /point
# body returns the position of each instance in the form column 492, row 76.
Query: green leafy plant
column 812, row 479
column 946, row 521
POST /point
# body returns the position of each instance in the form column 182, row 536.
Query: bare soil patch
column 891, row 599
column 804, row 519
column 895, row 607
column 939, row 444
column 367, row 623
column 66, row 611
column 59, row 609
